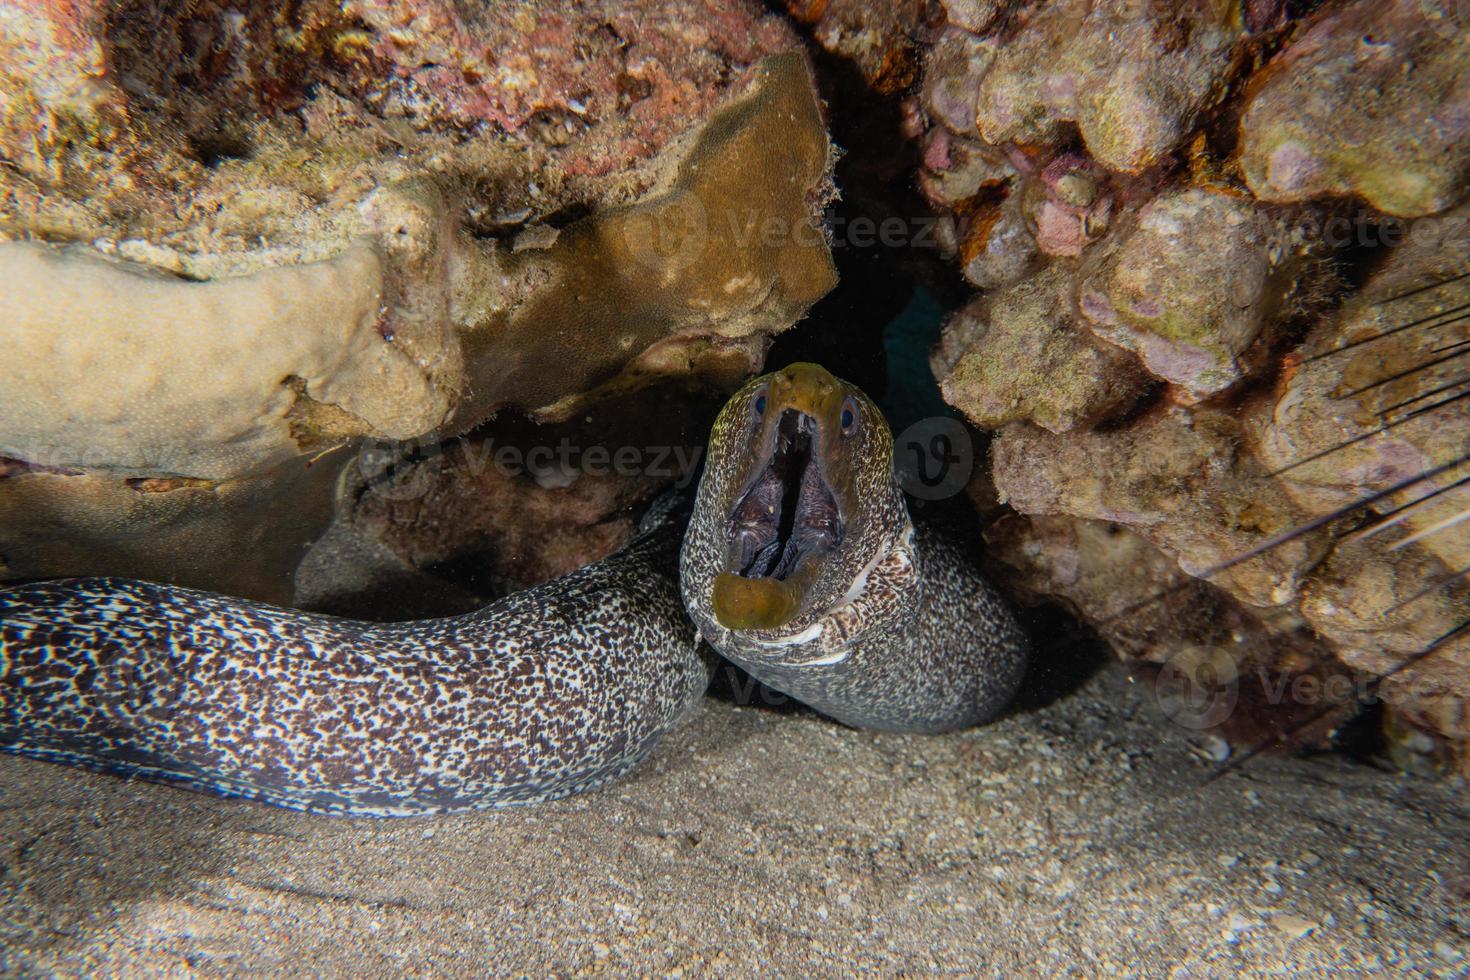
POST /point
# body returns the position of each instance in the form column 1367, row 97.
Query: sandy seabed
column 1078, row 837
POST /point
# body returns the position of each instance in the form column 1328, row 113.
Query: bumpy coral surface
column 1373, row 99
column 243, row 234
column 1191, row 283
column 879, row 39
column 1132, row 76
column 1021, row 353
column 1210, row 189
column 1179, row 477
column 1376, row 394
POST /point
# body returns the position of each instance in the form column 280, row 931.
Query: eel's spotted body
column 800, row 564
column 545, row 693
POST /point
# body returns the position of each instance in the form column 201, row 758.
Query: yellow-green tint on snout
column 763, row 603
column 808, row 388
column 752, row 603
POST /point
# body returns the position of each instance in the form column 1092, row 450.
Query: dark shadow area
column 735, row 686
column 1064, row 655
column 875, row 329
column 878, row 271
column 217, row 147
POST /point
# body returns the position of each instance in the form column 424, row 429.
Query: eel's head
column 798, row 494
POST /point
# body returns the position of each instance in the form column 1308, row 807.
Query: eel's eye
column 849, row 418
column 760, row 404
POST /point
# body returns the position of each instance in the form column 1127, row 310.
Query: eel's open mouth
column 790, row 512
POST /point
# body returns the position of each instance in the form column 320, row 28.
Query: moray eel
column 548, row 692
column 799, row 563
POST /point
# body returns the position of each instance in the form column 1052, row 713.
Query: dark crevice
column 216, row 148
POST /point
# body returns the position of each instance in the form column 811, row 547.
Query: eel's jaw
column 779, row 531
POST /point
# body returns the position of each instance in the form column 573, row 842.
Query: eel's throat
column 778, row 532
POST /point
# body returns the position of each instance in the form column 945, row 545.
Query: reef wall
column 1221, row 250
column 285, row 278
column 238, row 239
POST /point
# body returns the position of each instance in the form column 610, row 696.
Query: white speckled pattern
column 548, row 692
column 900, row 631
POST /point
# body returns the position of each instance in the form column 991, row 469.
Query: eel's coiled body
column 545, row 693
column 800, row 563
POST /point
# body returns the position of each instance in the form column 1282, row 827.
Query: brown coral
column 1192, row 282
column 1132, row 76
column 1179, row 478
column 300, row 230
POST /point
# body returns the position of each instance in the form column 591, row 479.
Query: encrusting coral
column 1369, row 100
column 243, row 235
column 1133, row 77
column 1024, row 354
column 1210, row 193
column 1192, row 281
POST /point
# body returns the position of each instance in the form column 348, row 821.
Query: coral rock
column 1191, row 283
column 988, row 228
column 509, row 505
column 961, row 174
column 1179, row 478
column 1377, row 397
column 952, row 73
column 1139, row 600
column 729, row 253
column 1133, row 77
column 877, row 36
column 238, row 235
column 109, row 366
column 242, row 536
column 1069, row 205
column 973, row 15
column 1373, row 99
column 1375, row 401
column 1382, row 610
column 1021, row 354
